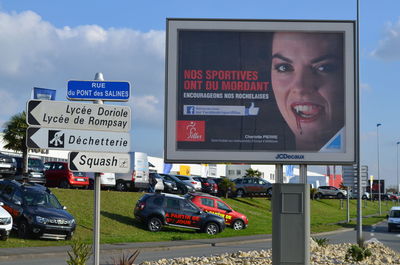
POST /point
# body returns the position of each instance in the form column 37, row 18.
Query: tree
column 253, row 173
column 227, row 187
column 15, row 136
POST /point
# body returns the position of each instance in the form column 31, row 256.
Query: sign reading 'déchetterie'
column 77, row 140
column 98, row 90
column 71, row 115
column 99, row 162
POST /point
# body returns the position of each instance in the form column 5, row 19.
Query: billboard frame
column 173, row 154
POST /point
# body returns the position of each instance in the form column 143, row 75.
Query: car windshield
column 35, row 163
column 395, row 213
column 42, row 199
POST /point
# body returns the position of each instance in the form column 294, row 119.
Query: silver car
column 330, row 191
column 191, row 181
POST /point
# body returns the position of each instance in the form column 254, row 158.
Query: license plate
column 80, row 179
column 5, row 165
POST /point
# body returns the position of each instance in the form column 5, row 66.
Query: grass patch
column 118, row 224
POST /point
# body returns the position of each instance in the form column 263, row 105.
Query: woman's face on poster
column 307, row 80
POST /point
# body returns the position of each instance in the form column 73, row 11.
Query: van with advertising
column 138, row 176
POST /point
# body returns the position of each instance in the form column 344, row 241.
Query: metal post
column 303, row 174
column 397, row 162
column 359, row 206
column 97, row 188
column 348, row 205
column 279, row 173
column 379, row 177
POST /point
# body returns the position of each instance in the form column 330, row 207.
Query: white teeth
column 302, row 108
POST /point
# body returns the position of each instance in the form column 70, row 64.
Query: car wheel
column 318, row 195
column 64, row 184
column 154, row 224
column 121, row 186
column 238, row 225
column 23, row 229
column 364, row 197
column 340, row 196
column 212, row 229
column 4, row 238
column 240, row 193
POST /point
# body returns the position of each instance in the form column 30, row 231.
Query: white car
column 5, row 223
column 107, row 180
column 394, row 218
column 191, row 181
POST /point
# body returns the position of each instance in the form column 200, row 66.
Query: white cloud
column 33, row 52
column 388, row 47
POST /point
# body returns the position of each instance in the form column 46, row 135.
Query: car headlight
column 72, row 221
column 5, row 221
column 41, row 220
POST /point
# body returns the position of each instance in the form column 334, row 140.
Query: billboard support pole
column 357, row 79
column 97, row 188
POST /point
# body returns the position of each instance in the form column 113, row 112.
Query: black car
column 36, row 211
column 35, row 170
column 8, row 165
column 182, row 187
column 158, row 209
column 169, row 185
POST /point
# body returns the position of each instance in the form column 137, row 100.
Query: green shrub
column 322, row 242
column 80, row 253
column 313, row 191
column 227, row 187
column 356, row 253
column 127, row 260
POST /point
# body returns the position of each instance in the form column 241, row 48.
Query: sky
column 45, row 43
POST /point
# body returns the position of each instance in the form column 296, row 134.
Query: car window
column 173, row 203
column 395, row 213
column 7, row 193
column 261, row 182
column 17, row 197
column 245, row 181
column 222, row 206
column 207, row 202
column 35, row 163
column 188, row 206
column 158, row 201
column 238, row 181
column 43, row 199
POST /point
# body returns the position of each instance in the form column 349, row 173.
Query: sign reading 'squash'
column 69, row 115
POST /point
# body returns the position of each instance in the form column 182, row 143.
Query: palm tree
column 253, row 173
column 15, row 136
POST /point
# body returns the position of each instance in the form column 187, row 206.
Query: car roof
column 28, row 185
column 202, row 195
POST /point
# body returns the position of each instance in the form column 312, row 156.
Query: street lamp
column 379, row 178
column 398, row 194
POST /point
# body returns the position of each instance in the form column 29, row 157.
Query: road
column 204, row 248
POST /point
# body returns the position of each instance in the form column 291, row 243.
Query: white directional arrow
column 77, row 140
column 99, row 162
column 69, row 115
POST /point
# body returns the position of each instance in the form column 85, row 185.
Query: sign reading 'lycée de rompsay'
column 68, row 115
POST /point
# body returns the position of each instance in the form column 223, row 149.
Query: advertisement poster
column 282, row 92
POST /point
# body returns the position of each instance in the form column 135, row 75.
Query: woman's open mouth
column 306, row 112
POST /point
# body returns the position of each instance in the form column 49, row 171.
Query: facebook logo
column 189, row 110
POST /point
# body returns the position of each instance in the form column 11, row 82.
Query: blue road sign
column 98, row 90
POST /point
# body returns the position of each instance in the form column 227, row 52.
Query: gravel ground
column 330, row 254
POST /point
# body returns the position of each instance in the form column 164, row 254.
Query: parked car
column 5, row 223
column 36, row 211
column 8, row 166
column 207, row 185
column 330, row 191
column 158, row 209
column 191, row 181
column 182, row 187
column 59, row 175
column 220, row 190
column 252, row 185
column 35, row 170
column 394, row 218
column 384, row 196
column 138, row 177
column 393, row 196
column 217, row 206
column 169, row 185
column 354, row 195
column 107, row 180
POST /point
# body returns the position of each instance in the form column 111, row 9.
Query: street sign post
column 98, row 90
column 72, row 115
column 99, row 162
column 77, row 140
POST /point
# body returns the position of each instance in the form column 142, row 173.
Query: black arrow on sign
column 72, row 156
column 31, row 106
column 30, row 132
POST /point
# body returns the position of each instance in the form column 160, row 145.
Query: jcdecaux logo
column 287, row 156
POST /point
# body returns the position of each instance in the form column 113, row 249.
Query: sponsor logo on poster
column 190, row 131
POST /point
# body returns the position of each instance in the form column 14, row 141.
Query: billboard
column 260, row 91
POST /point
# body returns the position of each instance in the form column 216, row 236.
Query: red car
column 215, row 205
column 58, row 175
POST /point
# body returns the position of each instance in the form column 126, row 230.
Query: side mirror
column 64, row 207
